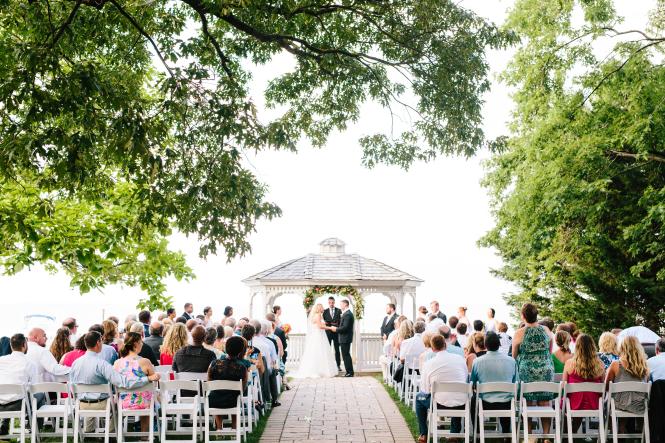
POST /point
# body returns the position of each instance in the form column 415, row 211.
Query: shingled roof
column 333, row 264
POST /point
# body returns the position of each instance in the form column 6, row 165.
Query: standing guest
column 491, row 325
column 388, row 324
column 145, row 351
column 170, row 313
column 93, row 370
column 443, row 367
column 174, row 340
column 107, row 353
column 449, row 336
column 608, row 348
column 506, row 340
column 194, row 357
column 61, row 344
column 228, row 313
column 495, row 367
column 231, row 368
column 583, row 367
column 15, row 368
column 462, row 337
column 657, row 363
column 209, row 341
column 562, row 354
column 155, row 340
column 133, row 367
column 631, row 366
column 461, row 314
column 187, row 315
column 332, row 317
column 434, row 323
column 434, row 309
column 277, row 310
column 145, row 317
column 478, row 326
column 412, row 347
column 207, row 317
column 111, row 335
column 45, row 363
column 79, row 350
column 70, row 323
column 279, row 333
column 532, row 348
column 422, row 313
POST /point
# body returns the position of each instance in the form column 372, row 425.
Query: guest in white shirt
column 15, row 368
column 491, row 324
column 386, row 357
column 45, row 363
column 411, row 348
column 506, row 346
column 450, row 337
column 462, row 337
column 434, row 323
column 443, row 367
column 657, row 363
column 207, row 317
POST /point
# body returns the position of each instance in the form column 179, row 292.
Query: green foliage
column 578, row 193
column 152, row 100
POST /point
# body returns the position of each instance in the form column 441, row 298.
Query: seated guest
column 411, row 348
column 71, row 324
column 238, row 328
column 434, row 322
column 562, row 354
column 194, row 357
column 79, row 350
column 175, row 340
column 427, row 354
column 15, row 368
column 182, row 320
column 608, row 348
column 279, row 333
column 93, row 370
column 478, row 326
column 386, row 356
column 462, row 338
column 170, row 313
column 61, row 344
column 231, row 368
column 506, row 340
column 220, row 339
column 269, row 352
column 253, row 355
column 156, row 338
column 108, row 353
column 145, row 351
column 657, row 363
column 444, row 367
column 45, row 363
column 475, row 349
column 209, row 341
column 144, row 319
column 568, row 327
column 549, row 324
column 422, row 314
column 133, row 367
column 111, row 335
column 405, row 332
column 494, row 367
column 230, row 322
column 450, row 338
column 583, row 367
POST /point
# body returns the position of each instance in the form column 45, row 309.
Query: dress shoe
column 348, row 375
column 275, row 404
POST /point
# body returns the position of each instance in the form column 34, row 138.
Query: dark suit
column 333, row 320
column 388, row 325
column 186, row 316
column 345, row 333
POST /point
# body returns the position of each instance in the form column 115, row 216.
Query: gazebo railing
column 366, row 358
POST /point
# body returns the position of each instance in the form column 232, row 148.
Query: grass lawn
column 407, row 412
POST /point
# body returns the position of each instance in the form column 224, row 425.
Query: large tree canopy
column 121, row 120
column 579, row 190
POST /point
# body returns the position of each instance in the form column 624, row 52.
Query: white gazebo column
column 400, row 302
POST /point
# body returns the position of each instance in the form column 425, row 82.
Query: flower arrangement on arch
column 346, row 291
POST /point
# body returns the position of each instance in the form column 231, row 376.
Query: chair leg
column 33, row 424
column 647, row 437
column 615, row 428
column 206, row 430
column 75, row 425
column 481, row 423
column 526, row 428
column 65, row 424
column 107, row 425
column 119, row 428
column 601, row 427
column 569, row 424
column 195, row 425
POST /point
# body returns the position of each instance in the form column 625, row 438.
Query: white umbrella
column 644, row 335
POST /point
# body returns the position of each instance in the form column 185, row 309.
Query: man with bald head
column 45, row 363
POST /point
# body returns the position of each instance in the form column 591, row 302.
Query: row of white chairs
column 173, row 406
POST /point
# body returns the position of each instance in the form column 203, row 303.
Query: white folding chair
column 61, row 410
column 136, row 413
column 540, row 412
column 170, row 391
column 482, row 413
column 435, row 413
column 164, row 371
column 16, row 389
column 410, row 368
column 78, row 390
column 210, row 386
column 615, row 414
column 587, row 414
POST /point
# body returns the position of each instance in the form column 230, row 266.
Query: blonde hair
column 586, row 361
column 427, row 339
column 633, row 358
column 562, row 339
column 607, row 343
column 175, row 339
column 405, row 330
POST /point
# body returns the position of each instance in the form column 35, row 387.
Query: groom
column 345, row 332
column 331, row 317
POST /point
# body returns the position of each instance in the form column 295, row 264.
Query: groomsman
column 388, row 324
column 434, row 309
column 332, row 317
column 189, row 308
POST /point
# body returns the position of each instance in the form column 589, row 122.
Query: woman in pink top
column 583, row 367
column 70, row 357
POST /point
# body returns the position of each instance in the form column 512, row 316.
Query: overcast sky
column 425, row 221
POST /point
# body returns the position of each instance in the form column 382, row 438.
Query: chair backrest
column 227, row 385
column 557, row 377
column 60, row 388
column 598, row 388
column 440, row 386
column 12, row 388
column 201, row 376
column 540, row 386
column 78, row 389
column 163, row 369
column 150, row 387
column 178, row 385
column 630, row 386
column 510, row 388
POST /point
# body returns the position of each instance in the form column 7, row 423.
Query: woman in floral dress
column 532, row 348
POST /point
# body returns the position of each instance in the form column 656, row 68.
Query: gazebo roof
column 332, row 264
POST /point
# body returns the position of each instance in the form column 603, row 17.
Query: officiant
column 332, row 317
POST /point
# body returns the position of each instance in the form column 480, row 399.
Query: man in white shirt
column 411, row 348
column 657, row 363
column 268, row 350
column 45, row 363
column 15, row 368
column 443, row 367
column 434, row 323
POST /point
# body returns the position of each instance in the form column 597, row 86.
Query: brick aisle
column 336, row 410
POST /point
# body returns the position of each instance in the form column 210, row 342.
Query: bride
column 317, row 359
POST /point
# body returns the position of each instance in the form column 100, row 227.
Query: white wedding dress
column 318, row 360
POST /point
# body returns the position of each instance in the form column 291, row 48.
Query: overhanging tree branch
column 66, row 24
column 649, row 156
column 224, row 60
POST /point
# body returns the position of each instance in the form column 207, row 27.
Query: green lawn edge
column 407, row 412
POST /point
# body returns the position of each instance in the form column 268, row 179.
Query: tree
column 579, row 189
column 110, row 106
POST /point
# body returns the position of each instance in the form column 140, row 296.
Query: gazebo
column 332, row 266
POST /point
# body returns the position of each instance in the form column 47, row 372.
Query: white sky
column 424, row 221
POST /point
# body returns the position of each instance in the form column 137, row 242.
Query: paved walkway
column 336, row 410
